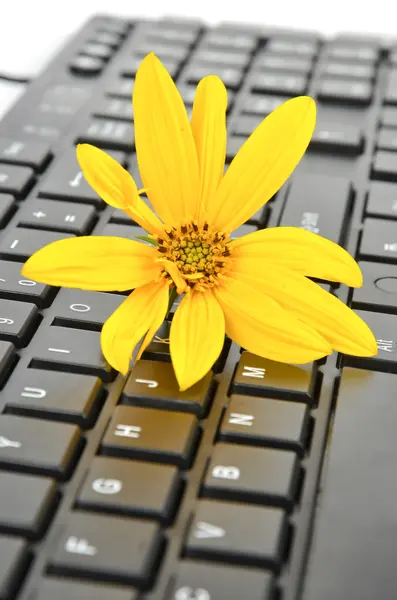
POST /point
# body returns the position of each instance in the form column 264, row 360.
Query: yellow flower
column 255, row 288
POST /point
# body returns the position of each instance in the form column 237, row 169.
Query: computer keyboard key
column 149, row 434
column 17, row 320
column 108, row 549
column 38, row 447
column 97, row 50
column 14, row 558
column 343, row 91
column 243, row 230
column 388, row 116
column 291, row 85
column 66, row 397
column 7, row 359
column 346, row 139
column 114, row 108
column 120, row 88
column 7, row 207
column 128, row 231
column 245, row 125
column 387, row 139
column 15, row 180
column 379, row 290
column 260, row 104
column 112, row 39
column 30, row 154
column 57, row 216
column 384, row 166
column 232, row 533
column 231, row 40
column 63, row 589
column 348, row 70
column 234, row 144
column 159, row 347
column 154, row 384
column 353, row 52
column 382, row 200
column 288, row 45
column 83, row 309
column 391, row 88
column 224, row 58
column 379, row 241
column 109, row 134
column 289, row 64
column 258, row 376
column 384, row 329
column 66, row 181
column 130, row 488
column 219, row 582
column 327, row 218
column 14, row 287
column 266, row 422
column 26, row 504
column 87, row 65
column 231, row 76
column 131, row 66
column 252, row 475
column 164, row 50
column 171, row 34
column 70, row 351
column 19, row 243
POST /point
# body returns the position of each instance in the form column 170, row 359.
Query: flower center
column 199, row 253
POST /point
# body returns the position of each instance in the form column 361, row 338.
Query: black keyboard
column 117, row 488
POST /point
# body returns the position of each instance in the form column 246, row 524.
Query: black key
column 159, row 31
column 7, row 206
column 266, row 422
column 350, row 92
column 379, row 241
column 109, row 134
column 71, row 351
column 156, row 435
column 261, row 105
column 56, row 396
column 130, row 487
column 387, row 139
column 154, row 384
column 30, row 154
column 388, row 116
column 379, row 290
column 26, row 504
column 127, row 231
column 231, row 76
column 234, row 144
column 14, row 559
column 346, row 139
column 131, row 66
column 348, row 70
column 38, row 447
column 17, row 320
column 87, row 65
column 384, row 329
column 220, row 39
column 353, row 52
column 83, row 309
column 19, row 243
column 258, row 376
column 382, row 200
column 84, row 549
column 243, row 230
column 254, row 475
column 359, row 484
column 66, row 182
column 288, row 45
column 114, row 108
column 57, row 216
column 300, row 64
column 291, row 85
column 391, row 88
column 384, row 166
column 62, row 589
column 7, row 359
column 225, row 58
column 159, row 347
column 97, row 50
column 327, row 217
column 243, row 535
column 216, row 582
column 259, row 218
column 14, row 287
column 163, row 50
column 121, row 88
column 119, row 217
column 15, row 180
column 245, row 125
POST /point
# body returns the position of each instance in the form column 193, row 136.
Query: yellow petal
column 94, row 263
column 298, row 250
column 196, row 337
column 166, row 153
column 174, row 272
column 259, row 324
column 115, row 186
column 144, row 310
column 344, row 330
column 209, row 132
column 263, row 163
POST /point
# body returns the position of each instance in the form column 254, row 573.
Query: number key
column 14, row 287
column 16, row 321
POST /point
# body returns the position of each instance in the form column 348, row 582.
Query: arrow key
column 57, row 216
